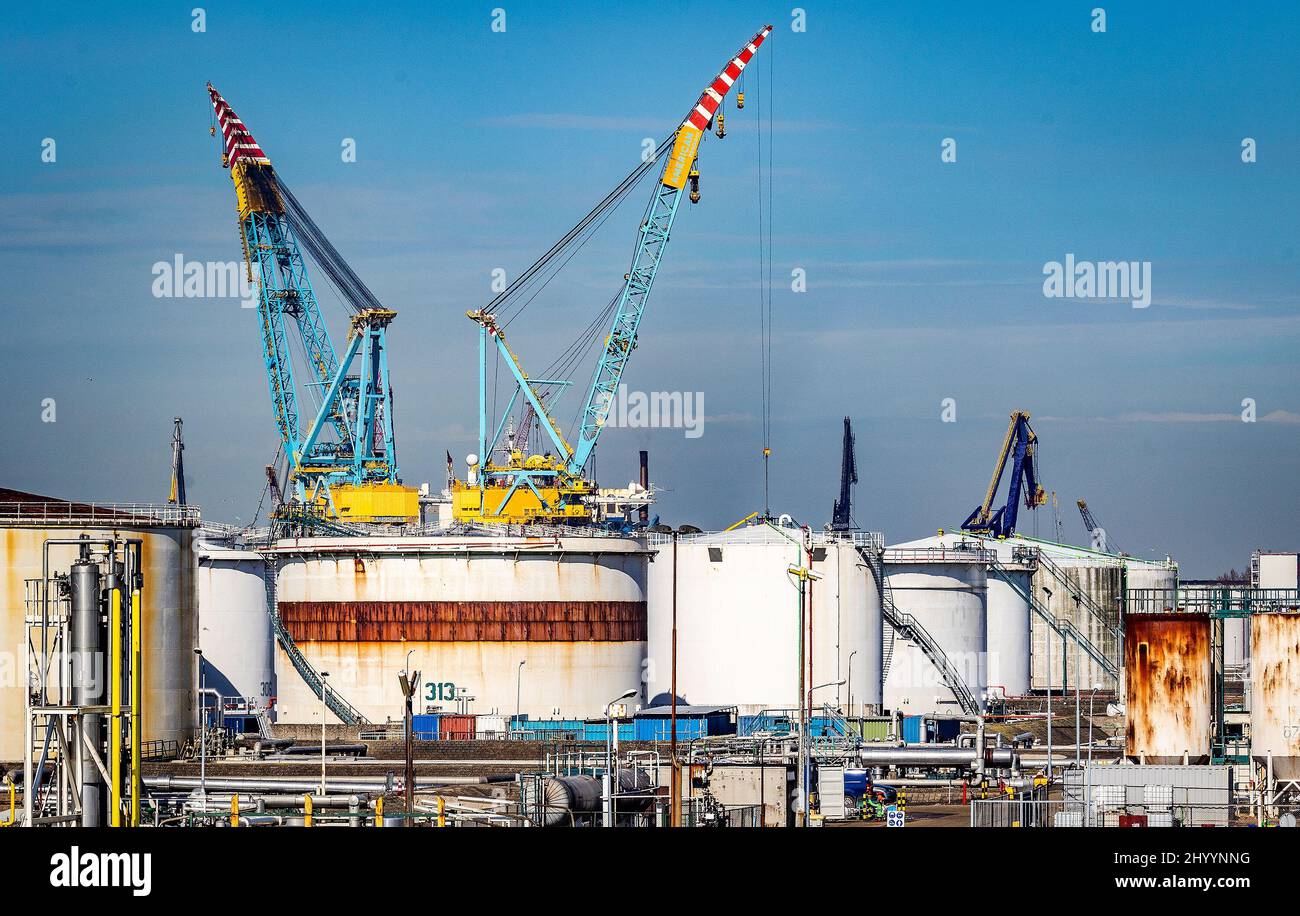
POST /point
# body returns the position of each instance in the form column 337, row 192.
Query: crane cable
column 621, row 190
column 765, row 270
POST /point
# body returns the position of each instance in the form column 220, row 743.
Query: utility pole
column 409, row 682
column 804, row 576
column 675, row 781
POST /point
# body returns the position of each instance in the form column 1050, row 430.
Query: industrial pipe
column 1003, row 758
column 275, row 784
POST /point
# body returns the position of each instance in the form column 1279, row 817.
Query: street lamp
column 323, row 676
column 409, row 682
column 200, row 700
column 1092, row 696
column 610, row 740
column 1048, row 591
column 850, row 689
column 1078, row 676
column 519, row 677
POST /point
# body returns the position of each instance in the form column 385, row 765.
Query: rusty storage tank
column 1275, row 692
column 27, row 520
column 1167, row 669
column 470, row 608
column 738, row 619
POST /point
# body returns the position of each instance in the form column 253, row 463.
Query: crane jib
column 687, row 143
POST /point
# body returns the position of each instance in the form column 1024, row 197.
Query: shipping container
column 456, row 727
column 425, row 727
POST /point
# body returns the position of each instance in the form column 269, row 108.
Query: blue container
column 946, row 730
column 912, row 729
column 425, row 727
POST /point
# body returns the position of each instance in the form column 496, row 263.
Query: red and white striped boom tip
column 239, row 142
column 712, row 97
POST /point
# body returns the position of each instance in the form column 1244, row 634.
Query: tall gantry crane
column 842, row 513
column 343, row 458
column 551, row 487
column 1021, row 445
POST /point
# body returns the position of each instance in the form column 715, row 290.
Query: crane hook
column 721, row 127
column 740, row 98
column 694, row 176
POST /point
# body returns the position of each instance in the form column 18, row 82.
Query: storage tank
column 1275, row 692
column 1009, row 627
column 1167, row 668
column 945, row 588
column 235, row 630
column 737, row 619
column 167, row 602
column 469, row 608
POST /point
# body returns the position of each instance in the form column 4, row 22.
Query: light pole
column 1049, row 686
column 803, row 577
column 323, row 676
column 519, row 679
column 203, row 729
column 850, row 679
column 409, row 682
column 1078, row 676
column 1092, row 696
column 609, row 754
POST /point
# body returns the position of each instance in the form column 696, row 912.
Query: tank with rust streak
column 1168, row 672
column 167, row 609
column 1275, row 692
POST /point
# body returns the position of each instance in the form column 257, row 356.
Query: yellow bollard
column 379, row 811
column 234, row 810
column 902, row 798
column 115, row 704
column 13, row 806
column 306, row 810
column 442, row 808
column 137, row 707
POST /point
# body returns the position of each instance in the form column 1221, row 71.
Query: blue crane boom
column 553, row 483
column 343, row 463
column 1020, row 444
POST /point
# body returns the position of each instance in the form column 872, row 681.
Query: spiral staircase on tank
column 334, row 701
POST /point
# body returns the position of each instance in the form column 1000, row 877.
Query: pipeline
column 918, row 756
column 232, row 784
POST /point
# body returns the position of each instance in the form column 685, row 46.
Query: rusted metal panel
column 453, row 727
column 1275, row 692
column 465, row 621
column 1167, row 666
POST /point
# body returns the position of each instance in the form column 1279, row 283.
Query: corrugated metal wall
column 465, row 621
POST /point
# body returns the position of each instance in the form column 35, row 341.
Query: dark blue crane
column 1020, row 445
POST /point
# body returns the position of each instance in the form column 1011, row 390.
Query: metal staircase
column 346, row 712
column 908, row 627
column 1107, row 655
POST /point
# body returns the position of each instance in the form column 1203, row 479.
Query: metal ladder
column 908, row 627
column 346, row 712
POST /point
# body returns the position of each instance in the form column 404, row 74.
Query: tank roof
column 33, row 510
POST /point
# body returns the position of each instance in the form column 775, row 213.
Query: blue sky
column 476, row 150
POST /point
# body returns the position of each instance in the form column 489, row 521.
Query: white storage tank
column 1010, row 622
column 469, row 609
column 945, row 589
column 738, row 625
column 167, row 601
column 235, row 630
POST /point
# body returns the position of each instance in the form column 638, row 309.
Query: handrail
column 59, row 512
